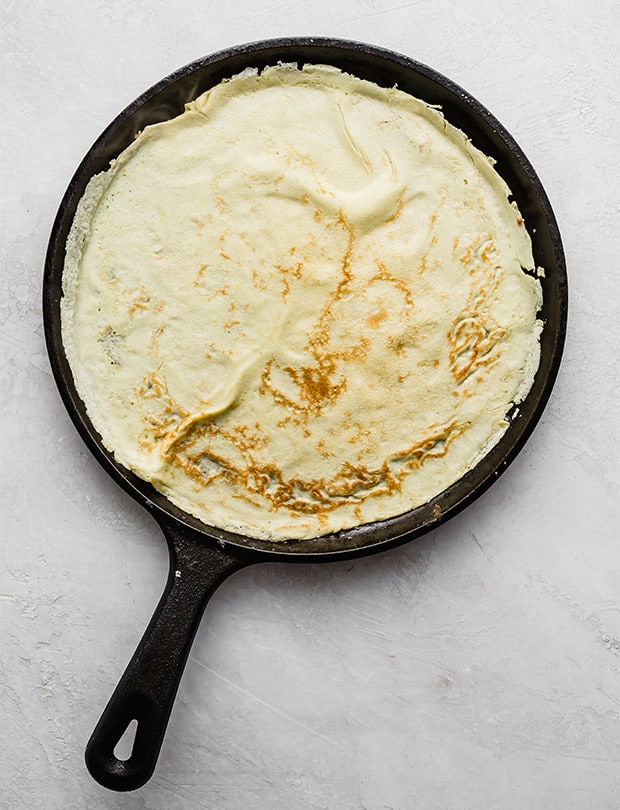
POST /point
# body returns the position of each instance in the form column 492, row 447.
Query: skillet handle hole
column 124, row 747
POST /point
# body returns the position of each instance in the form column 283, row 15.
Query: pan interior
column 166, row 100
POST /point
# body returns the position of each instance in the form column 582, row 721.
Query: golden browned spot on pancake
column 287, row 272
column 467, row 254
column 156, row 334
column 199, row 275
column 428, row 363
column 258, row 280
column 315, row 387
column 294, row 156
column 487, row 250
column 398, row 208
column 474, row 336
column 397, row 345
column 376, row 318
column 140, row 301
column 159, row 412
column 383, row 274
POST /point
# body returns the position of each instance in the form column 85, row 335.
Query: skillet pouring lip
column 165, row 100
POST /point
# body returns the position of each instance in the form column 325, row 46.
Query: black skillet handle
column 148, row 686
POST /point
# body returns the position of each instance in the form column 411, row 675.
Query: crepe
column 303, row 305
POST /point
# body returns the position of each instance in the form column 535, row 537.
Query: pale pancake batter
column 300, row 306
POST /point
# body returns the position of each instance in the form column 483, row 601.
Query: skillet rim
column 372, row 537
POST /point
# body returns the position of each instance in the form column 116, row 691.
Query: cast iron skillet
column 201, row 557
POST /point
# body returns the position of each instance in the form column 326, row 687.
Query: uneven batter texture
column 300, row 306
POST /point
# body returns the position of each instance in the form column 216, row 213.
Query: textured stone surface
column 476, row 668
